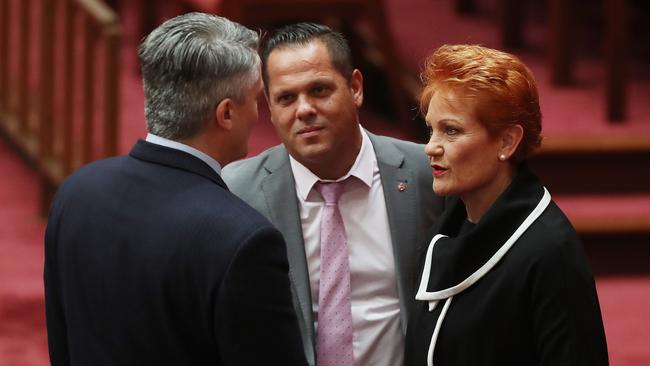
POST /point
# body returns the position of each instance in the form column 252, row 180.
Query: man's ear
column 356, row 85
column 510, row 139
column 224, row 114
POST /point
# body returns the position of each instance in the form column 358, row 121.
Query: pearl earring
column 502, row 157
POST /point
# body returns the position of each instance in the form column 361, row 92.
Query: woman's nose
column 433, row 148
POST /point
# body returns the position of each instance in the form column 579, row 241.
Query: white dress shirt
column 186, row 148
column 377, row 334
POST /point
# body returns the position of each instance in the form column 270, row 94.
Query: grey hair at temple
column 191, row 63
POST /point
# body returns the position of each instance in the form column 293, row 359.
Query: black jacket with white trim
column 515, row 289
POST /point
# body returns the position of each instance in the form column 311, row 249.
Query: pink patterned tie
column 334, row 333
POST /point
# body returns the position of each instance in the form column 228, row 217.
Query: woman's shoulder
column 551, row 241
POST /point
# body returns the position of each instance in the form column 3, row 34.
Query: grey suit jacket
column 266, row 182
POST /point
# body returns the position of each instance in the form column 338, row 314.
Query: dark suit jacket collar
column 173, row 158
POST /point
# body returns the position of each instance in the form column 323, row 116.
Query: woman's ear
column 510, row 139
column 224, row 113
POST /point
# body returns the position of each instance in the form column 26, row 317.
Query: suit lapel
column 280, row 192
column 400, row 192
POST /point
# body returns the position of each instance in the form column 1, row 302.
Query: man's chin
column 311, row 154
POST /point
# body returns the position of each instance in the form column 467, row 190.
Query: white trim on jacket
column 447, row 294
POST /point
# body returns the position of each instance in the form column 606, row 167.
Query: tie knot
column 331, row 191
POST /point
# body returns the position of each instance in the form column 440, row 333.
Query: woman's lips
column 438, row 170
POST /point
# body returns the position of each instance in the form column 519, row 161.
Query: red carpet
column 22, row 316
column 624, row 300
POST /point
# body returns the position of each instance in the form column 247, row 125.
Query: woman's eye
column 451, row 131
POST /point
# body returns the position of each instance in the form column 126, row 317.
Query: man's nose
column 305, row 110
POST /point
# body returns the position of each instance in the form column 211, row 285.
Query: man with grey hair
column 149, row 259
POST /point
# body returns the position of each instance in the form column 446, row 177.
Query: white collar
column 185, row 148
column 425, row 295
column 448, row 294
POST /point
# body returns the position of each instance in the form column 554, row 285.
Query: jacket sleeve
column 565, row 313
column 255, row 321
column 57, row 335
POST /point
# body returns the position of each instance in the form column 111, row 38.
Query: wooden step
column 614, row 230
column 607, row 214
column 595, row 164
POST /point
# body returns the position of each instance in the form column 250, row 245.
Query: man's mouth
column 309, row 130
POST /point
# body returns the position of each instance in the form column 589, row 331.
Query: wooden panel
column 512, row 23
column 465, row 7
column 112, row 89
column 24, row 53
column 616, row 58
column 560, row 42
column 4, row 55
column 69, row 77
column 88, row 90
column 46, row 88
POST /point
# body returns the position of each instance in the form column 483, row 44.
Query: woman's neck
column 479, row 201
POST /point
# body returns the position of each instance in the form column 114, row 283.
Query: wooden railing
column 59, row 84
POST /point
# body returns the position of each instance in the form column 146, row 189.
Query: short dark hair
column 301, row 34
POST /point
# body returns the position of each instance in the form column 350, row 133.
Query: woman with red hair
column 504, row 280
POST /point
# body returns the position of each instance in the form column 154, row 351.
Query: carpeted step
column 595, row 164
column 607, row 214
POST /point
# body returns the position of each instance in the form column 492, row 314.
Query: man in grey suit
column 314, row 94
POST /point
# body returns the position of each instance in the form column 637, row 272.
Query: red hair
column 499, row 87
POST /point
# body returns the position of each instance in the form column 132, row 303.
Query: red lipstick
column 438, row 170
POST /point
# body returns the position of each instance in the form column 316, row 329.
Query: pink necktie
column 334, row 333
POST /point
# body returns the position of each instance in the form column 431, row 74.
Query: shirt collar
column 185, row 148
column 362, row 169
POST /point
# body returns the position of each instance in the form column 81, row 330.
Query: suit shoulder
column 552, row 228
column 243, row 168
column 552, row 240
column 98, row 167
column 231, row 206
column 96, row 171
column 244, row 176
column 413, row 153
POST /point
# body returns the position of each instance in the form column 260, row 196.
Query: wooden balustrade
column 59, row 84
